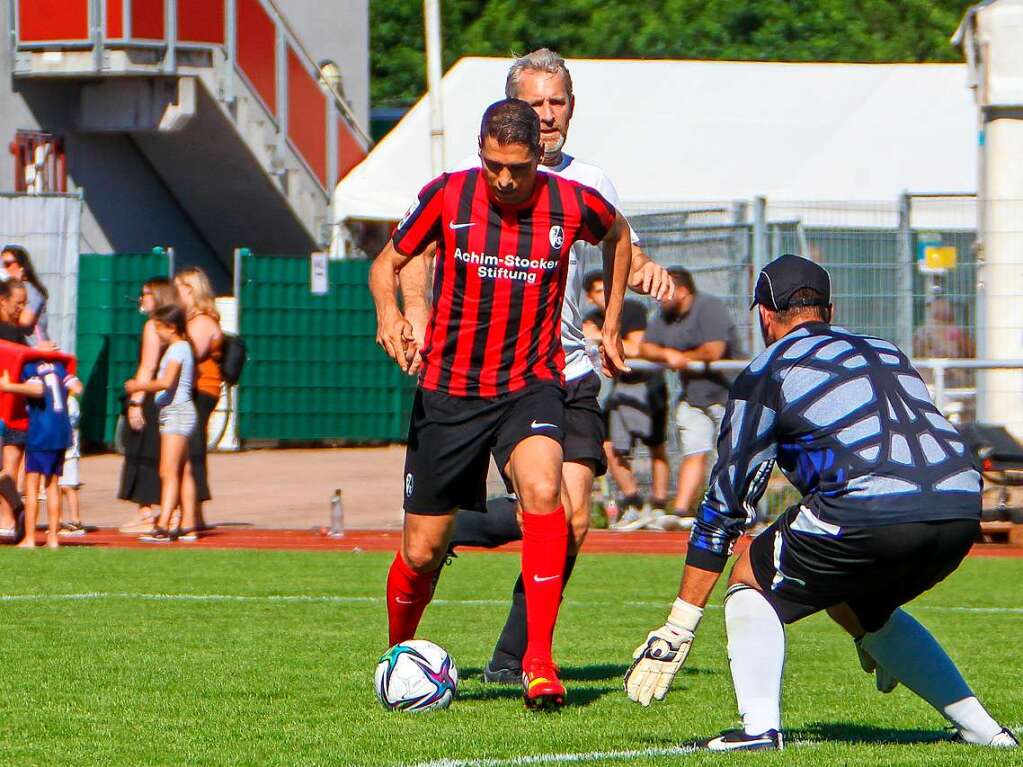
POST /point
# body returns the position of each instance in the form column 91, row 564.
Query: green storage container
column 109, row 328
column 314, row 371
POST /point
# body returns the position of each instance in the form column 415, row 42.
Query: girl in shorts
column 173, row 388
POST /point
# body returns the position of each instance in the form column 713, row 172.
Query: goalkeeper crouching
column 890, row 507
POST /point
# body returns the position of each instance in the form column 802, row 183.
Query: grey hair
column 540, row 60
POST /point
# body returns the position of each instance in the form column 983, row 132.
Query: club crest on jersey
column 557, row 237
column 410, row 483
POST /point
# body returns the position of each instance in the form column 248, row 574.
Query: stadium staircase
column 220, row 97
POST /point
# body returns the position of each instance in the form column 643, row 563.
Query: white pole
column 990, row 34
column 431, row 16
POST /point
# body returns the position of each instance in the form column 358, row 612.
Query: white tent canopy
column 675, row 132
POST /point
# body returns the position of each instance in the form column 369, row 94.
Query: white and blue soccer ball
column 416, row 676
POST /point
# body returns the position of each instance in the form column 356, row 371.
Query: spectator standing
column 636, row 409
column 46, row 388
column 140, row 474
column 195, row 295
column 70, row 480
column 173, row 389
column 941, row 336
column 33, row 318
column 15, row 432
column 692, row 327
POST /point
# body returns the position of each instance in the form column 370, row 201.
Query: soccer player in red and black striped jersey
column 491, row 380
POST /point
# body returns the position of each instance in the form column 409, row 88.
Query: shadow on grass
column 849, row 732
column 577, row 696
column 599, row 672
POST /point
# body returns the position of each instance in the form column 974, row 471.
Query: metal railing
column 99, row 40
column 945, row 400
column 938, row 366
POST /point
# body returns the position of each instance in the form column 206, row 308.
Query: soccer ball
column 416, row 676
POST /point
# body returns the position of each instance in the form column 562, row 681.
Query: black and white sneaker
column 738, row 740
column 495, row 674
column 1004, row 739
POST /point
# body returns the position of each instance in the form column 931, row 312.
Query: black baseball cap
column 784, row 276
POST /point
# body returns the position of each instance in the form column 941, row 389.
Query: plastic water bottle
column 337, row 516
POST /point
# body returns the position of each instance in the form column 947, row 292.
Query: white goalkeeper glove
column 660, row 657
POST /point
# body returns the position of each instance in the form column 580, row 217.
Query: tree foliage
column 744, row 30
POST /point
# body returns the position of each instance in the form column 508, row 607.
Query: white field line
column 593, row 756
column 579, row 758
column 335, row 599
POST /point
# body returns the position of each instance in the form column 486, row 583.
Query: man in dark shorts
column 491, row 378
column 891, row 505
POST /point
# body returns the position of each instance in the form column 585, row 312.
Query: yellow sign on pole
column 940, row 257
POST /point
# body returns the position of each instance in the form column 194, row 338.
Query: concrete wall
column 127, row 206
column 336, row 30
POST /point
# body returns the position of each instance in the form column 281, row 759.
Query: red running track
column 598, row 542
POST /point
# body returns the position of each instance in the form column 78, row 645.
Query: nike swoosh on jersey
column 453, row 225
column 537, row 425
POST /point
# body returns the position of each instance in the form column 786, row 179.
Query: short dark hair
column 591, row 278
column 7, row 287
column 511, row 121
column 808, row 303
column 171, row 314
column 683, row 278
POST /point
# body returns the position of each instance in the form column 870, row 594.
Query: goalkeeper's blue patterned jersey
column 852, row 426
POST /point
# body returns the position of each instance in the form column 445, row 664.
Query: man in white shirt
column 542, row 80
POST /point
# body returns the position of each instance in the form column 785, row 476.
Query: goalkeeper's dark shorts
column 804, row 567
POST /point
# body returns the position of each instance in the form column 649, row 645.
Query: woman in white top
column 173, row 388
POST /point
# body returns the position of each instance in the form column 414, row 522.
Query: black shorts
column 584, row 423
column 875, row 570
column 657, row 406
column 451, row 439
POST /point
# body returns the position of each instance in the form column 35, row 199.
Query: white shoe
column 633, row 519
column 671, row 522
column 1004, row 739
column 7, row 532
column 654, row 520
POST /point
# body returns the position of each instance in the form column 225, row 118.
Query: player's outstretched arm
column 394, row 332
column 658, row 659
column 617, row 252
column 649, row 278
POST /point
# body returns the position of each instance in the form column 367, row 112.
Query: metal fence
column 910, row 270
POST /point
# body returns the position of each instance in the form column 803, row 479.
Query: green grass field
column 132, row 657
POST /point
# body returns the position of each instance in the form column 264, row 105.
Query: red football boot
column 541, row 688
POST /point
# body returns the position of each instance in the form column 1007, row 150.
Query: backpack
column 232, row 358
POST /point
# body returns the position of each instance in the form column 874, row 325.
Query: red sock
column 544, row 547
column 408, row 594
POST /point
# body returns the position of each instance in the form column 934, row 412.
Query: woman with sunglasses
column 140, row 474
column 33, row 319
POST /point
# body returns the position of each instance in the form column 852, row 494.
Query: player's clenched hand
column 653, row 280
column 612, row 352
column 419, row 317
column 659, row 658
column 395, row 336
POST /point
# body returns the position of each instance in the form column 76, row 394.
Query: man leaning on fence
column 692, row 327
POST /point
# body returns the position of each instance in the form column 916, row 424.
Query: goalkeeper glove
column 660, row 657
